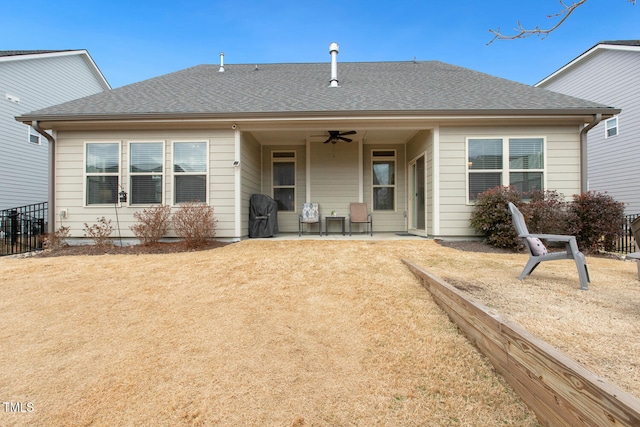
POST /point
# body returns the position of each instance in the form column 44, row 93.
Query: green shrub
column 195, row 223
column 99, row 232
column 491, row 217
column 596, row 220
column 153, row 224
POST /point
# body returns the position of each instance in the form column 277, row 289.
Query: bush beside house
column 596, row 219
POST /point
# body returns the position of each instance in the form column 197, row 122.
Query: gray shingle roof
column 285, row 89
column 27, row 52
column 621, row 42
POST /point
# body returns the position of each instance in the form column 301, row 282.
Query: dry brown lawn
column 290, row 333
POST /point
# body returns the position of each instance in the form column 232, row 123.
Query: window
column 484, row 162
column 283, row 166
column 384, row 180
column 34, row 137
column 526, row 164
column 487, row 169
column 102, row 167
column 189, row 172
column 145, row 172
column 611, row 127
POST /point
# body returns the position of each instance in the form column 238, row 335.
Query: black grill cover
column 263, row 216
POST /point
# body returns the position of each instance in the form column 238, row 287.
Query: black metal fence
column 22, row 229
column 626, row 243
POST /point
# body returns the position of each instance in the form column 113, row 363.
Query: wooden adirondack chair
column 538, row 252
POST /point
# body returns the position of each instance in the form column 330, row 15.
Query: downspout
column 51, row 213
column 584, row 181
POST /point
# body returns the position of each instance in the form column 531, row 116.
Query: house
column 30, row 80
column 426, row 137
column 608, row 73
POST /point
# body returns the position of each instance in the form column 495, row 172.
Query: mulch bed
column 159, row 248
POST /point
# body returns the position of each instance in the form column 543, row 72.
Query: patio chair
column 358, row 214
column 310, row 215
column 538, row 252
column 635, row 230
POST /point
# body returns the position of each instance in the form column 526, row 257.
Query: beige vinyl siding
column 334, row 178
column 562, row 171
column 70, row 191
column 251, row 170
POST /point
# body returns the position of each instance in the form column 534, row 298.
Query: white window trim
column 505, row 171
column 85, row 174
column 395, row 180
column 173, row 173
column 293, row 159
column 162, row 174
column 32, row 132
column 616, row 127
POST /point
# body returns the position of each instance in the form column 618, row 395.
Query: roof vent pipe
column 333, row 50
column 221, row 62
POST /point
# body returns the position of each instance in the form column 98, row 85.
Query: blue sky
column 134, row 40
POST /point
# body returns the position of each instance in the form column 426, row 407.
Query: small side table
column 332, row 218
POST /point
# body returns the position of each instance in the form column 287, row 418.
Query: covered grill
column 263, row 216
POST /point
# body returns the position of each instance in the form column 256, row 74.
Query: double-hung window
column 145, row 172
column 492, row 162
column 190, row 162
column 383, row 180
column 102, row 170
column 283, row 166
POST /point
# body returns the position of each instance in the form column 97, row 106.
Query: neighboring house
column 429, row 137
column 609, row 73
column 30, row 80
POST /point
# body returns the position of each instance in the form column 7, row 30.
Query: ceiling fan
column 336, row 135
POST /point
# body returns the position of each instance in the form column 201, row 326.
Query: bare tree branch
column 522, row 32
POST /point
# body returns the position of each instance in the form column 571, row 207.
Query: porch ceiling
column 369, row 136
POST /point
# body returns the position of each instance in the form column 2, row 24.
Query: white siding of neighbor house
column 37, row 83
column 70, row 194
column 610, row 77
column 562, row 171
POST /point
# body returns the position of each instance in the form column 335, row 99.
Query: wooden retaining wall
column 558, row 389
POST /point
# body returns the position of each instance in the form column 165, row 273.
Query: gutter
column 289, row 115
column 584, row 182
column 51, row 213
